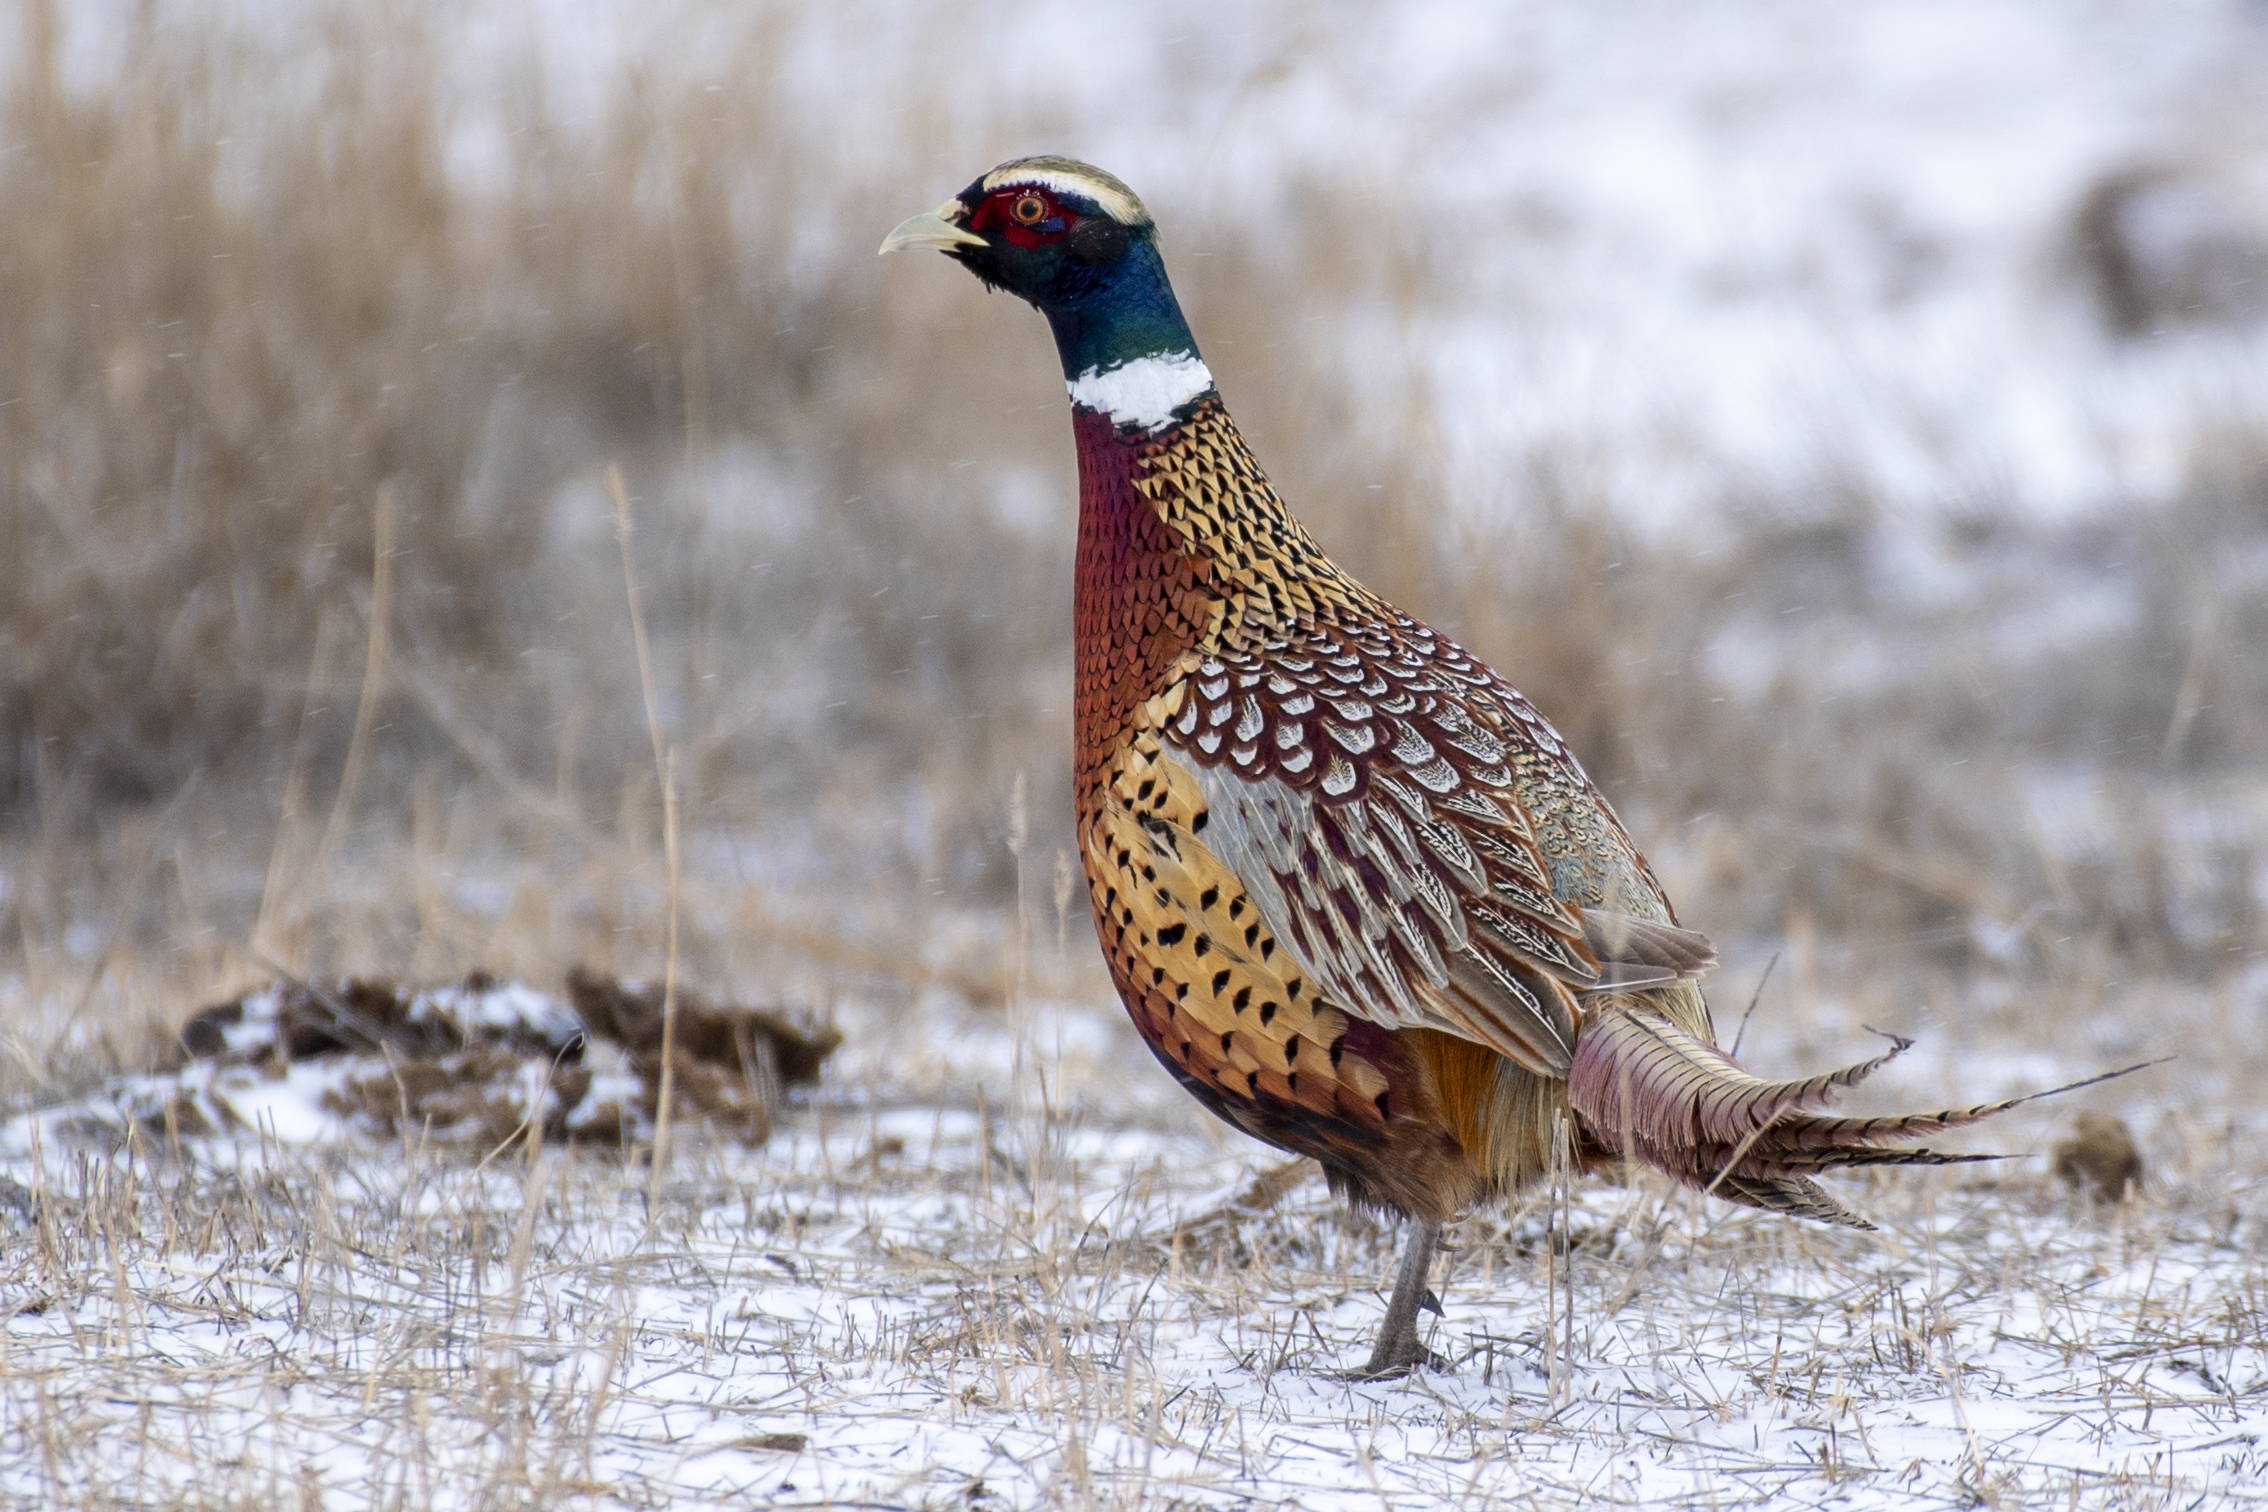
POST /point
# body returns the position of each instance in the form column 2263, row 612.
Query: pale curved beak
column 932, row 228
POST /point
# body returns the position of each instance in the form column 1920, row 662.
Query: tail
column 1660, row 1095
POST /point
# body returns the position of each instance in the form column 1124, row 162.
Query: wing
column 1364, row 791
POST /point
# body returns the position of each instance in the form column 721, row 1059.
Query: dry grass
column 235, row 319
column 1990, row 777
column 919, row 1296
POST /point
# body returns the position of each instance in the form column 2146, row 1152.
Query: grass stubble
column 1050, row 1297
column 319, row 654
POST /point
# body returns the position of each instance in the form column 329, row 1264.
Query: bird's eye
column 1029, row 210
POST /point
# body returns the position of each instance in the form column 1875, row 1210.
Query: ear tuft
column 1098, row 241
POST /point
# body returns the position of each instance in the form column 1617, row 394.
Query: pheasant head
column 1078, row 246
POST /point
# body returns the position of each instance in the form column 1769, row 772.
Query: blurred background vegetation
column 256, row 321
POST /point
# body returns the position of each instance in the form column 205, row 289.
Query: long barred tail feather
column 1799, row 1197
column 1656, row 1093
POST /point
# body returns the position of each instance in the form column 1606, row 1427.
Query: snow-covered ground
column 947, row 1284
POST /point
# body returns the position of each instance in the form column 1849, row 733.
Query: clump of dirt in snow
column 727, row 1060
column 2100, row 1158
column 472, row 1063
column 297, row 1021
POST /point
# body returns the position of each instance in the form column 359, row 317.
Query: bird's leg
column 1399, row 1350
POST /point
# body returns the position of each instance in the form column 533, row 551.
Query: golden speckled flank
column 1186, row 941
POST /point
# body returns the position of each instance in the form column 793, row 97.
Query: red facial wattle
column 1024, row 216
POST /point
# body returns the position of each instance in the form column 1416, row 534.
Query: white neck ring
column 1144, row 392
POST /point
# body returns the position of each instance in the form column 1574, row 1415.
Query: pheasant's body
column 1273, row 768
column 1355, row 892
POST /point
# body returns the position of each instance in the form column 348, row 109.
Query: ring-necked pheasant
column 1357, row 895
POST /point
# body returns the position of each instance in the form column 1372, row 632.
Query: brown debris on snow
column 633, row 1018
column 482, row 1060
column 2100, row 1158
column 478, row 1095
column 311, row 1021
column 730, row 1062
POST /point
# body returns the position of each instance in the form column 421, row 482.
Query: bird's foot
column 1400, row 1351
column 1395, row 1357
